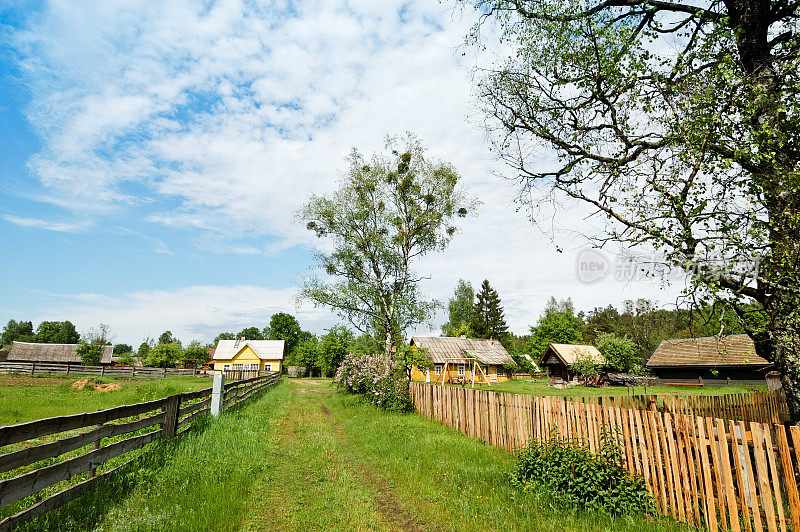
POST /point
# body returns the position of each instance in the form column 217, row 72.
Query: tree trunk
column 785, row 332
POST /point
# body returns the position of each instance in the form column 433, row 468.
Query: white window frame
column 462, row 370
column 267, row 367
column 437, row 369
column 226, row 367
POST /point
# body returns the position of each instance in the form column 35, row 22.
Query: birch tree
column 388, row 211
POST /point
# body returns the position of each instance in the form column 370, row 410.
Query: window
column 437, row 369
column 501, row 371
column 461, row 369
column 237, row 367
column 226, row 367
column 267, row 367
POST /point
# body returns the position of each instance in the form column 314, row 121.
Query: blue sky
column 154, row 153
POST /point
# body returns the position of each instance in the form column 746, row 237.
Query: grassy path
column 302, row 457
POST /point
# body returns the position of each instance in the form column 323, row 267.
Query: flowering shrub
column 380, row 380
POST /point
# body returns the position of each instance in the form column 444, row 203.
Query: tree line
column 627, row 336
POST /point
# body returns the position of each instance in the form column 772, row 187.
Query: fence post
column 217, row 394
column 95, row 446
column 171, row 406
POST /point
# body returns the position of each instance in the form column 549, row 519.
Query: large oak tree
column 678, row 122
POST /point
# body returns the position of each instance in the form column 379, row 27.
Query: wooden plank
column 191, row 417
column 30, row 455
column 687, row 445
column 674, row 464
column 738, row 465
column 708, row 484
column 776, row 481
column 658, row 457
column 54, row 501
column 727, row 476
column 719, row 491
column 751, row 479
column 43, row 427
column 189, row 396
column 763, row 476
column 644, row 447
column 17, row 488
column 188, row 409
column 789, row 478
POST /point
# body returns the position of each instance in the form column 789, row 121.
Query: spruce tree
column 488, row 320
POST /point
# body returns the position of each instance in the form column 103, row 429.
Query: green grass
column 26, row 398
column 304, row 457
column 540, row 387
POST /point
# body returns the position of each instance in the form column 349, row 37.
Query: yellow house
column 455, row 359
column 248, row 355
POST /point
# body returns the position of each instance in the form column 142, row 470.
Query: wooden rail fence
column 39, row 368
column 707, row 472
column 141, row 422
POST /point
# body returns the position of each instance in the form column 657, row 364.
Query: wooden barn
column 52, row 353
column 728, row 357
column 460, row 359
column 557, row 359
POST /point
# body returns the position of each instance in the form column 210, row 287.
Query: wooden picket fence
column 707, row 472
column 758, row 406
column 24, row 477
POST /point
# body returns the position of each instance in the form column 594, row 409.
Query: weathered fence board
column 44, row 427
column 702, row 470
column 173, row 414
column 30, row 455
column 42, row 368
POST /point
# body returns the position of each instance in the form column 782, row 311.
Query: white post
column 428, row 375
column 217, row 393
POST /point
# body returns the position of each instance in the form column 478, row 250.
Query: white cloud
column 239, row 110
column 193, row 312
column 61, row 227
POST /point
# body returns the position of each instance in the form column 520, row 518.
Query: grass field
column 304, row 457
column 25, row 397
column 540, row 387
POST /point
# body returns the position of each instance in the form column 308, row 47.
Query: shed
column 458, row 353
column 710, row 357
column 558, row 359
column 52, row 353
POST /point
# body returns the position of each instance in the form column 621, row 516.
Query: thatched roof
column 712, row 351
column 567, row 354
column 264, row 349
column 440, row 348
column 57, row 353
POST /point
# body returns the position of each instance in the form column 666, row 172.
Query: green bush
column 618, row 351
column 90, row 352
column 574, row 476
column 163, row 356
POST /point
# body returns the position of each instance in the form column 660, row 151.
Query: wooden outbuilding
column 557, row 359
column 462, row 360
column 728, row 357
column 52, row 353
